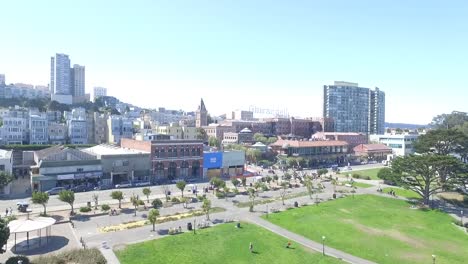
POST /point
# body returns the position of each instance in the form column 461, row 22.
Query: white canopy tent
column 29, row 225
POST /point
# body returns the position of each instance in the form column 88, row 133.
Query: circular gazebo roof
column 28, row 225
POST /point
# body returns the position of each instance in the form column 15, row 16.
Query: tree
column 322, row 172
column 217, row 183
column 252, row 195
column 442, row 141
column 427, row 174
column 244, row 181
column 284, row 187
column 166, row 191
column 181, row 186
column 287, row 176
column 40, row 198
column 253, row 155
column 334, row 182
column 235, row 182
column 5, row 178
column 201, row 134
column 135, row 202
column 448, row 121
column 206, row 207
column 309, row 185
column 268, row 179
column 153, row 216
column 117, row 195
column 96, row 200
column 4, row 234
column 146, row 192
column 213, row 141
column 67, row 196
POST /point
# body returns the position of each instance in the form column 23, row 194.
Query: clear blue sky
column 273, row 54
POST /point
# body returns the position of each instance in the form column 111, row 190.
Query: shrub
column 220, row 195
column 201, row 197
column 466, row 225
column 356, row 176
column 85, row 209
column 156, row 203
column 141, row 202
column 457, row 222
column 15, row 259
column 175, row 200
column 82, row 256
column 105, row 207
column 265, row 188
column 367, row 178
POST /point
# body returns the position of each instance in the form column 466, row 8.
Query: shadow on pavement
column 54, row 243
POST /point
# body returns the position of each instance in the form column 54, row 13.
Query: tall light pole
column 323, row 245
column 433, row 259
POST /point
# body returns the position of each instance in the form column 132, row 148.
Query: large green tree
column 206, row 207
column 201, row 134
column 442, row 141
column 452, row 120
column 68, row 197
column 40, row 198
column 213, row 142
column 253, row 155
column 4, row 234
column 426, row 174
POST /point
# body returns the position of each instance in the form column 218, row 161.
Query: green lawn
column 372, row 173
column 360, row 184
column 220, row 244
column 384, row 230
column 403, row 193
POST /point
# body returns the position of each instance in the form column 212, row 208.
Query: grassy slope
column 220, row 244
column 381, row 229
column 403, row 193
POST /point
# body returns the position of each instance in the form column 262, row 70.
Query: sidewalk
column 305, row 242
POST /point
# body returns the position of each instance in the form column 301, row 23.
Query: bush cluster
column 85, row 209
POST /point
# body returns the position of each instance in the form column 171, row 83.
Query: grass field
column 372, row 173
column 220, row 244
column 384, row 230
column 361, row 184
column 402, row 192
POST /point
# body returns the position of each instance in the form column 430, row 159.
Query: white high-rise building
column 60, row 74
column 99, row 91
column 78, row 80
column 2, row 79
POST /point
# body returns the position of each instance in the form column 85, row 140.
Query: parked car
column 123, row 185
column 141, row 183
column 104, row 187
column 55, row 190
column 80, row 188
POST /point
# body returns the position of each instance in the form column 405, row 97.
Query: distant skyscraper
column 2, row 79
column 353, row 108
column 202, row 115
column 77, row 78
column 60, row 75
column 99, row 91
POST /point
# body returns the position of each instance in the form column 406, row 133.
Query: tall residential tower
column 353, row 108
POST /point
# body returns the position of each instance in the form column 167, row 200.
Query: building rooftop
column 108, row 149
column 300, row 144
column 372, row 148
column 5, row 154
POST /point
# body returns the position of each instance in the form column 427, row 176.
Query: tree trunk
column 45, row 212
column 153, row 227
column 135, row 210
column 120, row 204
column 182, row 193
column 72, row 211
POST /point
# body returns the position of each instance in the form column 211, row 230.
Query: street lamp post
column 323, row 245
column 433, row 259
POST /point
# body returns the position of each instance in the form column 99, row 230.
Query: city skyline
column 235, row 56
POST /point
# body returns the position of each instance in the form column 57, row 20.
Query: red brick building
column 171, row 159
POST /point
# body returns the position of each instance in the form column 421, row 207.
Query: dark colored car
column 80, row 188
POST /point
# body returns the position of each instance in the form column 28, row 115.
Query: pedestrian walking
column 6, row 212
column 288, row 245
column 251, row 247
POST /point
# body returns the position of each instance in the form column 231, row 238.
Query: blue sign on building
column 212, row 160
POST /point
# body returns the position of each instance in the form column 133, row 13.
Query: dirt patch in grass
column 395, row 234
column 345, row 211
column 414, row 256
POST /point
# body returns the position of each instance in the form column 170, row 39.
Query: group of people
column 288, row 245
